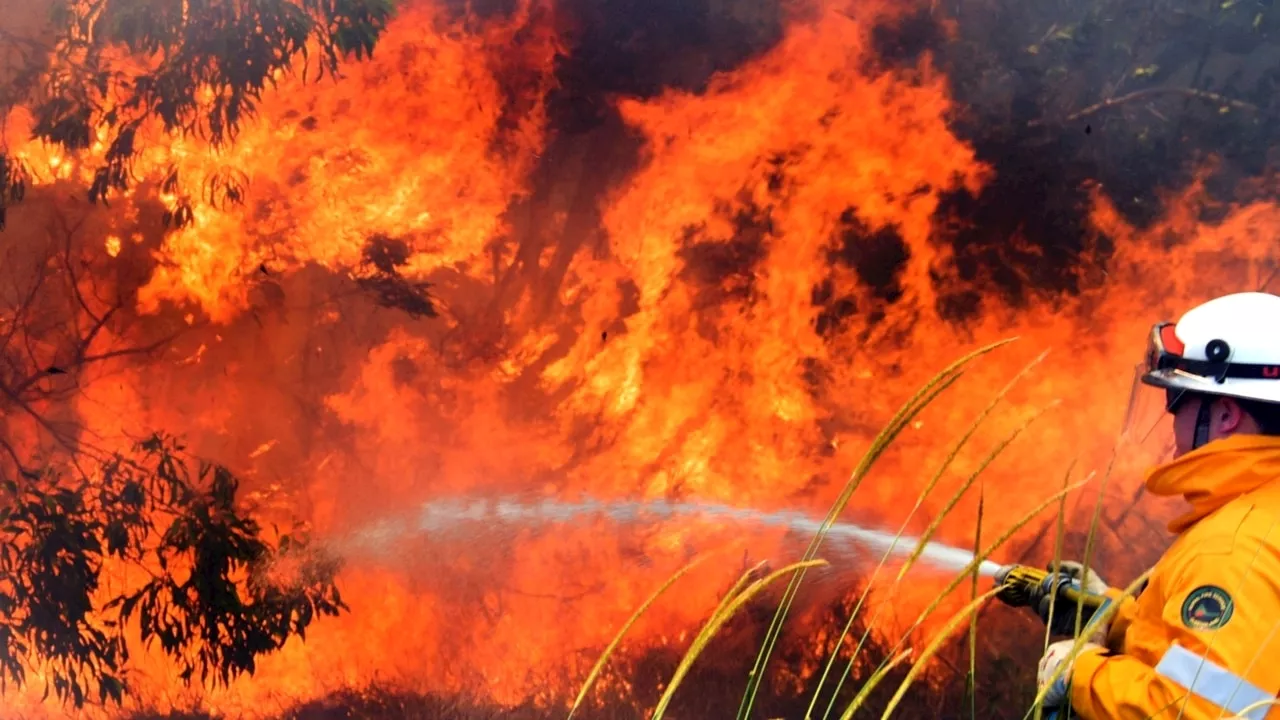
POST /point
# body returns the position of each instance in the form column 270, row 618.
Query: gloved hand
column 1090, row 581
column 1059, row 655
column 1063, row 621
column 1093, row 584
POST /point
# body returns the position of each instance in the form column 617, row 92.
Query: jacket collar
column 1215, row 474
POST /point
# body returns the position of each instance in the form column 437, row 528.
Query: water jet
column 456, row 515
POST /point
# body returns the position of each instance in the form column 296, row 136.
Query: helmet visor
column 1161, row 362
column 1148, row 421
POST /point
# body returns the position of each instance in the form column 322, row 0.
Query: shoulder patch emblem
column 1208, row 607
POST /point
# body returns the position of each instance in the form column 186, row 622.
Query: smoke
column 1033, row 78
column 1020, row 74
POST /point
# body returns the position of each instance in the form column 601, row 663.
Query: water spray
column 455, row 515
column 470, row 518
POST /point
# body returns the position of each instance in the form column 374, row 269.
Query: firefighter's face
column 1226, row 417
column 1184, row 425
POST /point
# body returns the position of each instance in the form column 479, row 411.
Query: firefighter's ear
column 1230, row 417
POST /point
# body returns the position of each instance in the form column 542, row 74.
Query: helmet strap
column 1202, row 423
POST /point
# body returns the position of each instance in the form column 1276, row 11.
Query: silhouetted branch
column 26, row 46
column 57, row 329
column 213, row 599
column 1147, row 93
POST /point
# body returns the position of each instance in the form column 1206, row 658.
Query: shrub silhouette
column 218, row 597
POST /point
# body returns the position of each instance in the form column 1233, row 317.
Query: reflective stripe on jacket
column 1202, row 641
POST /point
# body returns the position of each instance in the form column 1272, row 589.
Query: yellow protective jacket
column 1202, row 640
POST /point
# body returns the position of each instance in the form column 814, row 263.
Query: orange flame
column 690, row 354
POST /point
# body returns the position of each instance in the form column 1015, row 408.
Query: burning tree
column 79, row 521
column 197, row 68
column 103, row 541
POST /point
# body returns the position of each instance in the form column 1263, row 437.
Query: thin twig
column 13, row 453
column 1148, row 93
column 1274, row 271
column 22, row 44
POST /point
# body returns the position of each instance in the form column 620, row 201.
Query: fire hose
column 1057, row 597
column 1022, row 586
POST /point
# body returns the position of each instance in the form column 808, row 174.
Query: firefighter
column 1202, row 640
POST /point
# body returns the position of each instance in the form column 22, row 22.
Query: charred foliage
column 1062, row 99
column 215, row 600
column 380, row 275
column 14, row 177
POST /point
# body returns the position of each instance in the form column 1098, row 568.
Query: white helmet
column 1227, row 346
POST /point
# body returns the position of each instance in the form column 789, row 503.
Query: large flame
column 715, row 338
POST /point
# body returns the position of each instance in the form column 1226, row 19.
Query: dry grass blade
column 980, row 558
column 923, row 541
column 971, row 682
column 928, row 488
column 921, row 399
column 717, row 620
column 1057, row 558
column 930, row 651
column 608, row 651
column 874, row 681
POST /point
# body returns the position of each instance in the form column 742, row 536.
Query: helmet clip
column 1218, row 351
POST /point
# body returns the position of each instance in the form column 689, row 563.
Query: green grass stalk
column 891, row 431
column 1105, row 616
column 1247, row 712
column 1236, row 586
column 1056, row 563
column 1093, row 532
column 874, row 681
column 971, row 681
column 930, row 650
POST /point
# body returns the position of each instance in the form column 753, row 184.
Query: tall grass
column 604, row 657
column 971, row 680
column 928, row 488
column 899, row 652
column 913, row 407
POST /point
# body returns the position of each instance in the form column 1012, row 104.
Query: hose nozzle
column 1021, row 585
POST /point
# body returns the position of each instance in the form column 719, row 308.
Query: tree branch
column 72, row 281
column 19, row 314
column 1147, row 94
column 132, row 350
column 26, row 46
column 12, row 453
column 40, row 419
